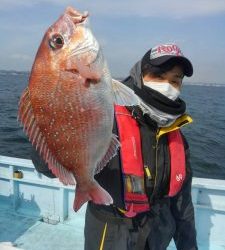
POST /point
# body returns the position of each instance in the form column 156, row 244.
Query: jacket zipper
column 156, row 160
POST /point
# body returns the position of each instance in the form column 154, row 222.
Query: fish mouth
column 75, row 15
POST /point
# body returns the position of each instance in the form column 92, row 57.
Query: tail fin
column 96, row 193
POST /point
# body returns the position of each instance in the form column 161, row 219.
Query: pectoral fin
column 124, row 96
column 111, row 152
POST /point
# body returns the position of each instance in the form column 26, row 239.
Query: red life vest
column 136, row 200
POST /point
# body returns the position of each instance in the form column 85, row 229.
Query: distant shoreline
column 18, row 72
column 3, row 72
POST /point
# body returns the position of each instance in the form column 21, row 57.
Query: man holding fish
column 120, row 144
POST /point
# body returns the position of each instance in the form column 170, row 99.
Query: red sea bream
column 68, row 107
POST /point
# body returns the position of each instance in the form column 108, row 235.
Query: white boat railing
column 26, row 191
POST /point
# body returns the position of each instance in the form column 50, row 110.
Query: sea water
column 206, row 135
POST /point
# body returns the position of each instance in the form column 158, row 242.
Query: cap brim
column 187, row 66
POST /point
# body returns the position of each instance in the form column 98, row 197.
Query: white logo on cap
column 165, row 50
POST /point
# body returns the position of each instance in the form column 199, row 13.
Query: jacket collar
column 180, row 122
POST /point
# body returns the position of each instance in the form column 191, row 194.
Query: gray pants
column 147, row 233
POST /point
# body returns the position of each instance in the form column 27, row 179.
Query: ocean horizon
column 27, row 72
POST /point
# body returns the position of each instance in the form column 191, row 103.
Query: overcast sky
column 126, row 30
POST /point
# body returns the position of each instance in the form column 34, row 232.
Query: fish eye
column 56, row 41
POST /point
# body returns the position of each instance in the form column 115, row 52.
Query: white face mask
column 164, row 88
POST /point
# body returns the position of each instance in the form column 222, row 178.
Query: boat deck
column 29, row 233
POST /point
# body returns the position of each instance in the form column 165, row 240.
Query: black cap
column 165, row 52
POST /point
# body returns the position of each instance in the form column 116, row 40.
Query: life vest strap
column 135, row 197
column 177, row 162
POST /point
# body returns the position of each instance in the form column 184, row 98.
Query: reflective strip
column 103, row 237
